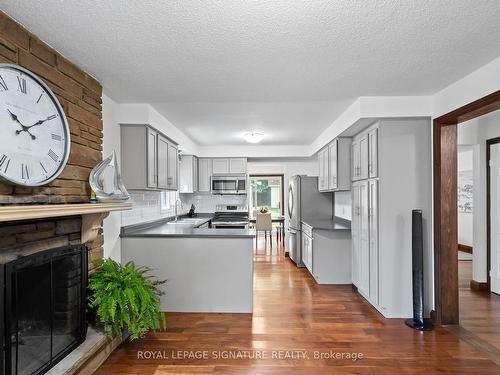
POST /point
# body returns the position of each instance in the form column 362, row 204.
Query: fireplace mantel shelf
column 28, row 212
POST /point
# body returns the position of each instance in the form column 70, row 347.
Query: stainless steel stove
column 231, row 217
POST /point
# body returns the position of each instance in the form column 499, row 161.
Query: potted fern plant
column 125, row 298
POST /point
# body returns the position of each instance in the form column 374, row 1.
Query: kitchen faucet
column 177, row 202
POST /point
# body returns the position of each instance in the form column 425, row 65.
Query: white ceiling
column 283, row 123
column 219, row 68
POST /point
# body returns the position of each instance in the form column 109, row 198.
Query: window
column 167, row 201
column 266, row 191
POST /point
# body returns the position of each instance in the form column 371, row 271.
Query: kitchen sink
column 188, row 221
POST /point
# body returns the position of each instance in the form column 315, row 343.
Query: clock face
column 34, row 133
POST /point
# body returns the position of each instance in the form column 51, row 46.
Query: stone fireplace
column 44, row 298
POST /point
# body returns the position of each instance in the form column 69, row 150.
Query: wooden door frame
column 445, row 205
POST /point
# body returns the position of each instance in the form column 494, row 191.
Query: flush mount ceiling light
column 253, row 137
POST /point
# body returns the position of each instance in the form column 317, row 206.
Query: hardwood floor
column 479, row 311
column 292, row 313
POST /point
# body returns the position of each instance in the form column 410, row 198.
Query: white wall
column 475, row 132
column 111, row 142
column 288, row 167
column 474, row 86
column 207, row 203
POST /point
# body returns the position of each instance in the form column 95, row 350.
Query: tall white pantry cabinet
column 391, row 173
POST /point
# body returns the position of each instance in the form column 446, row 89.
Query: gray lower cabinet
column 360, row 237
column 148, row 158
column 327, row 254
column 307, row 253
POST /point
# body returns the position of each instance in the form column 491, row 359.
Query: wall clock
column 34, row 132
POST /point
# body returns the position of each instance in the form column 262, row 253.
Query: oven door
column 224, row 185
column 228, row 225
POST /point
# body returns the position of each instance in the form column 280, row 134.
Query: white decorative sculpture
column 105, row 180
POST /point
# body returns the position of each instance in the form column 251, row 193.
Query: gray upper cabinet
column 355, row 160
column 148, row 159
column 365, row 155
column 363, row 149
column 229, row 166
column 204, row 174
column 360, row 158
column 334, row 163
column 238, row 166
column 162, row 162
column 151, row 165
column 323, row 169
column 188, row 174
column 173, row 167
column 373, row 153
column 220, row 166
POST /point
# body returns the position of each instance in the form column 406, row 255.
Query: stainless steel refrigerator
column 305, row 202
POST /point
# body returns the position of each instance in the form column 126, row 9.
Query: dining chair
column 254, row 216
column 263, row 222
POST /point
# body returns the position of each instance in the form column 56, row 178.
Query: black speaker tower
column 418, row 322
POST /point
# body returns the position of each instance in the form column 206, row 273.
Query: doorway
column 267, row 192
column 445, row 205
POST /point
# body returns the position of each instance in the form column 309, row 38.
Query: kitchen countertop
column 335, row 224
column 161, row 228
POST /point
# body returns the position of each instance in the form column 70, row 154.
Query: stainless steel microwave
column 229, row 184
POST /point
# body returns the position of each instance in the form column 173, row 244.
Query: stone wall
column 80, row 97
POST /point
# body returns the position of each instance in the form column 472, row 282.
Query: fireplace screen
column 45, row 304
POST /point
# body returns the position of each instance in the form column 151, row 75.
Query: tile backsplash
column 147, row 205
column 206, row 202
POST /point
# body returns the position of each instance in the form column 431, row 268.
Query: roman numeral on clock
column 53, row 155
column 25, row 172
column 3, row 85
column 40, row 97
column 56, row 137
column 22, row 84
column 41, row 165
column 4, row 160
